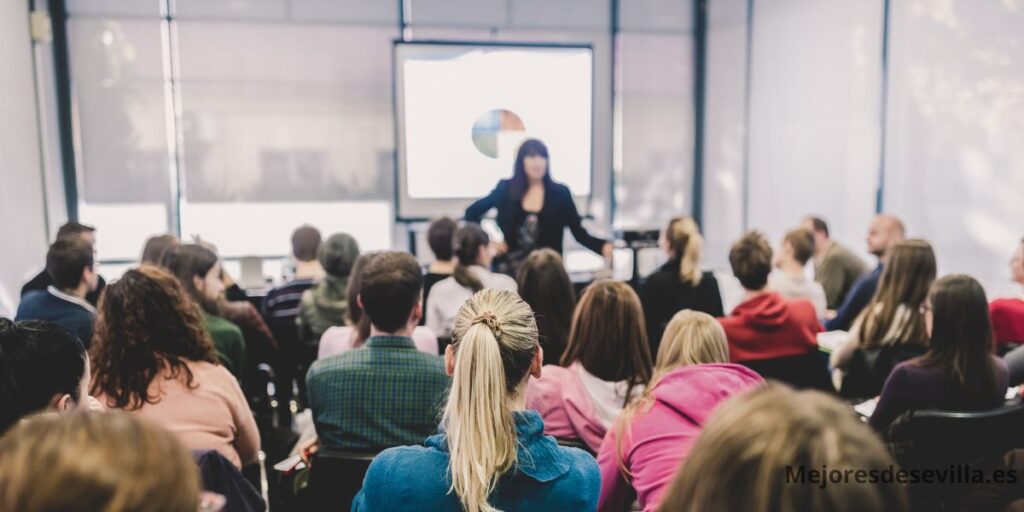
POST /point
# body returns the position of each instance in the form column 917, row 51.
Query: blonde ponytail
column 687, row 246
column 478, row 420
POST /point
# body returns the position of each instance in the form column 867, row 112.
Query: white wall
column 22, row 218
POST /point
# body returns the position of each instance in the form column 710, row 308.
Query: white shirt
column 799, row 288
column 342, row 338
column 447, row 296
column 606, row 396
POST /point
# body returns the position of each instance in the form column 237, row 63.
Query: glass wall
column 238, row 117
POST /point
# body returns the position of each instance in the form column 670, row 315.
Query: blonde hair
column 687, row 246
column 753, row 439
column 495, row 341
column 690, row 338
column 95, row 462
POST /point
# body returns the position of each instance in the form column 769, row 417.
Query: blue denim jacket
column 547, row 476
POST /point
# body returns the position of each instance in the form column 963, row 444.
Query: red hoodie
column 769, row 326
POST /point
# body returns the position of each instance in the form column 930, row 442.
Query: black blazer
column 663, row 295
column 559, row 211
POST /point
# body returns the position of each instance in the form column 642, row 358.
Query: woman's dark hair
column 439, row 238
column 545, row 286
column 188, row 261
column 608, row 337
column 359, row 321
column 962, row 341
column 519, row 183
column 906, row 279
column 156, row 248
column 468, row 241
column 147, row 323
column 38, row 361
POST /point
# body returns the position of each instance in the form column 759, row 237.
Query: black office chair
column 957, row 440
column 804, row 371
column 334, row 479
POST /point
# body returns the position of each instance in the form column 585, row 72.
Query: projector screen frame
column 400, row 184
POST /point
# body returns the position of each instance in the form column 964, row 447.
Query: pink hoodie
column 659, row 440
column 566, row 406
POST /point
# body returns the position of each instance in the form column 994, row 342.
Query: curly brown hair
column 147, row 322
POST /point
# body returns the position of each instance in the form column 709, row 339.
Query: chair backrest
column 963, row 437
column 803, row 371
column 219, row 475
column 866, row 373
column 335, row 477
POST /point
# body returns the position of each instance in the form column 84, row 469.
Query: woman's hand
column 608, row 250
column 499, row 248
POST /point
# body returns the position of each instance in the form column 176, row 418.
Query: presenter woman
column 533, row 211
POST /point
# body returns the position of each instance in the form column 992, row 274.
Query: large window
column 120, row 107
column 954, row 167
column 654, row 103
column 225, row 119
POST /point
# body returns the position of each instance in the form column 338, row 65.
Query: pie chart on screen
column 497, row 133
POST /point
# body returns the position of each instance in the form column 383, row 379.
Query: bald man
column 883, row 233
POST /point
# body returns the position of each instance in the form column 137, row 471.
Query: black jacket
column 663, row 295
column 559, row 211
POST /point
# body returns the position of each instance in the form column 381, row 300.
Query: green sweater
column 228, row 341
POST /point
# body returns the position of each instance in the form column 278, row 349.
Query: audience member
column 544, row 284
column 606, row 364
column 470, row 275
column 1008, row 314
column 95, row 462
column 679, row 284
column 198, row 269
column 153, row 359
column 387, row 393
column 755, row 440
column 891, row 328
column 43, row 366
column 43, row 280
column 790, row 280
column 281, row 305
column 324, row 305
column 884, row 232
column 835, row 266
column 157, row 247
column 343, row 338
column 959, row 371
column 764, row 325
column 441, row 239
column 653, row 435
column 490, row 453
column 71, row 268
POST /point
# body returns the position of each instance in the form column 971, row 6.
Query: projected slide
column 462, row 111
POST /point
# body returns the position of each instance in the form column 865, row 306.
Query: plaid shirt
column 384, row 394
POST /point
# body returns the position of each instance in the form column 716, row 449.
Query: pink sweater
column 568, row 407
column 658, row 441
column 214, row 415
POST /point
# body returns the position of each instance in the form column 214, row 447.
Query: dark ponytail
column 38, row 361
column 468, row 241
